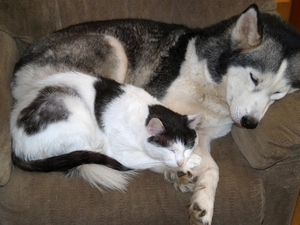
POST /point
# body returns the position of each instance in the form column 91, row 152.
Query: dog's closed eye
column 254, row 79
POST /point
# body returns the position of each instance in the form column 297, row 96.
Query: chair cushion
column 276, row 136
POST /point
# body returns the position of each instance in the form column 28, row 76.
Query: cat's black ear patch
column 176, row 127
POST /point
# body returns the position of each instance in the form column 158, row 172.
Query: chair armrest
column 276, row 138
column 9, row 55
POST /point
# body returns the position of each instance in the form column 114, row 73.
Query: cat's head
column 171, row 136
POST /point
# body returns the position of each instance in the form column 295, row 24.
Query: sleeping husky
column 230, row 73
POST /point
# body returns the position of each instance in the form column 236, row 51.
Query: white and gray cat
column 99, row 128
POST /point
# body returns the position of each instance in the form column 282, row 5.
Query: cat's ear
column 194, row 121
column 155, row 127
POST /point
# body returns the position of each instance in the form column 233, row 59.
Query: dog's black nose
column 249, row 122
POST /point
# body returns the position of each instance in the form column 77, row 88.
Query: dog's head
column 250, row 92
column 262, row 64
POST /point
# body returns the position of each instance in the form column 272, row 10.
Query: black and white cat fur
column 76, row 122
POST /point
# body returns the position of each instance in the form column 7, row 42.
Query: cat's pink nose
column 180, row 163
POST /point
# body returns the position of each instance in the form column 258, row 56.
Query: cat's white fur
column 125, row 137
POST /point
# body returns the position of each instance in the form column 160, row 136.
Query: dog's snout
column 249, row 122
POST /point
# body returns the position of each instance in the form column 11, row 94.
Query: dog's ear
column 248, row 29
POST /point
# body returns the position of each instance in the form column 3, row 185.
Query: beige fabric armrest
column 9, row 55
column 276, row 137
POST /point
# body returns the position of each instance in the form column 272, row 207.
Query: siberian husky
column 230, row 72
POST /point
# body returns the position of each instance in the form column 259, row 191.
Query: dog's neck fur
column 195, row 75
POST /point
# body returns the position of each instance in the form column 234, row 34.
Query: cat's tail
column 100, row 176
column 94, row 167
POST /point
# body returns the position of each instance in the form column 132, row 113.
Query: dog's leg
column 200, row 175
column 202, row 203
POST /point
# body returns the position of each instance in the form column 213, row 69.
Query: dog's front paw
column 201, row 209
column 183, row 181
column 197, row 215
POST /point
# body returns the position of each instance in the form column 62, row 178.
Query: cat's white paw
column 193, row 162
column 201, row 209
